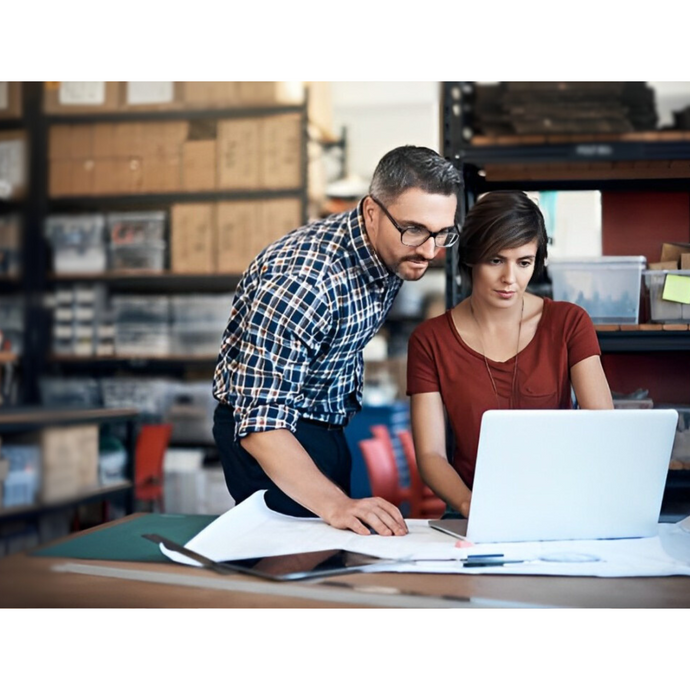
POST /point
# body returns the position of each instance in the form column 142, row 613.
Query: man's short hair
column 409, row 167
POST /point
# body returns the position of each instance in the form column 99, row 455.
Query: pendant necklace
column 486, row 362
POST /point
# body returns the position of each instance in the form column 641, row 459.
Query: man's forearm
column 292, row 469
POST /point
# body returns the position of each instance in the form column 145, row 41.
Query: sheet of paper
column 82, row 92
column 149, row 92
column 251, row 530
column 676, row 289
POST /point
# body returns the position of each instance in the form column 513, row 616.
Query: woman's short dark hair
column 409, row 167
column 500, row 220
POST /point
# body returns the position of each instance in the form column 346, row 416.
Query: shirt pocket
column 542, row 394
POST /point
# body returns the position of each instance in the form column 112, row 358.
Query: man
column 290, row 369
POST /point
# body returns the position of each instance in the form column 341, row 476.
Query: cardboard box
column 106, row 178
column 10, row 100
column 59, row 142
column 199, row 165
column 236, row 223
column 238, row 154
column 281, row 151
column 211, row 94
column 81, row 177
column 82, row 96
column 192, row 238
column 672, row 251
column 69, row 461
column 685, row 262
column 59, row 178
column 277, row 218
column 162, row 173
column 129, row 139
column 104, row 140
column 271, row 92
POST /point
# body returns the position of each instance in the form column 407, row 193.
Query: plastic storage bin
column 78, row 243
column 608, row 287
column 661, row 310
column 136, row 228
column 138, row 257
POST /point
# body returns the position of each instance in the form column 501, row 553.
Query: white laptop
column 570, row 474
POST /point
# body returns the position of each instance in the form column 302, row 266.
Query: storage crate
column 69, row 392
column 150, row 396
column 198, row 341
column 143, row 309
column 78, row 243
column 661, row 310
column 135, row 340
column 209, row 309
column 608, row 287
column 127, row 229
column 137, row 257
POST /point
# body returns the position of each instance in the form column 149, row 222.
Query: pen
column 485, row 555
column 480, row 563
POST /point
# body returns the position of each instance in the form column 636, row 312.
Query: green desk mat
column 123, row 541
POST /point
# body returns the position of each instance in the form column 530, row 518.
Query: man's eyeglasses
column 416, row 236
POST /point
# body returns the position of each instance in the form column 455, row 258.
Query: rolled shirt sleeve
column 282, row 335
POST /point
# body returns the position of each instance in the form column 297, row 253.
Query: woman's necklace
column 486, row 361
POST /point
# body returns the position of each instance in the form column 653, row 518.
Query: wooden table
column 40, row 582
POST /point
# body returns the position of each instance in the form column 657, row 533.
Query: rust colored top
column 439, row 360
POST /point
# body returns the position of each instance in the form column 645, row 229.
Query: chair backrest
column 423, row 501
column 381, row 469
column 152, row 442
column 382, row 432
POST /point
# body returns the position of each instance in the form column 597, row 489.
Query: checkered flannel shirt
column 304, row 310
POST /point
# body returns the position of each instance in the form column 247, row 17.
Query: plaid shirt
column 304, row 310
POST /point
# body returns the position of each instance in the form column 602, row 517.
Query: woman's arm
column 429, row 432
column 590, row 384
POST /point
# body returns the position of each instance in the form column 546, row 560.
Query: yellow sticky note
column 677, row 289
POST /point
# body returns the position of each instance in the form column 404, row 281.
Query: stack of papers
column 252, row 530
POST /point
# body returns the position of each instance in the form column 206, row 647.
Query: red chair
column 424, row 503
column 383, row 472
column 151, row 445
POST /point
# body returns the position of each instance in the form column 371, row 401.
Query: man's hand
column 360, row 514
column 465, row 506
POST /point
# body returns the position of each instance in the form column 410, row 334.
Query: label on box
column 4, row 95
column 149, row 92
column 82, row 93
column 12, row 163
column 677, row 289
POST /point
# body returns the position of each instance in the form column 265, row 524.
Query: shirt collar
column 370, row 263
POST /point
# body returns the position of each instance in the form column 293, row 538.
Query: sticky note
column 677, row 289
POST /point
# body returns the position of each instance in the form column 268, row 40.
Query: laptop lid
column 570, row 474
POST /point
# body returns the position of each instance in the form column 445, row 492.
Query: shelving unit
column 39, row 281
column 657, row 161
column 20, row 421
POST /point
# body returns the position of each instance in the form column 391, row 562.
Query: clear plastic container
column 138, row 257
column 199, row 341
column 142, row 341
column 129, row 229
column 212, row 310
column 150, row 396
column 141, row 309
column 69, row 392
column 661, row 310
column 78, row 243
column 608, row 287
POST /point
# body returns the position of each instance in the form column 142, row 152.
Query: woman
column 500, row 348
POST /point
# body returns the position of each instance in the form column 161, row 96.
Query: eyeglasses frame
column 455, row 232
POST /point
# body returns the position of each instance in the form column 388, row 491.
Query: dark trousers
column 243, row 474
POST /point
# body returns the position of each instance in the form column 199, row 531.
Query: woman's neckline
column 451, row 322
